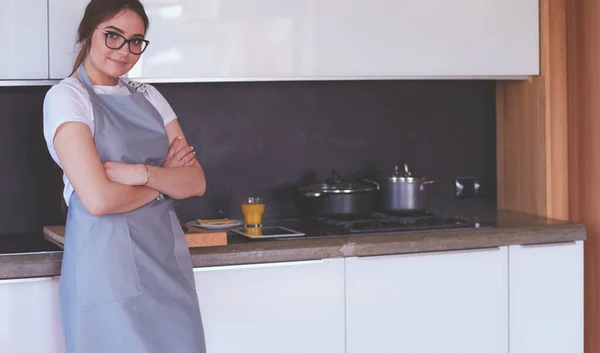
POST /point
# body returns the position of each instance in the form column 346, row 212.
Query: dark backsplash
column 267, row 138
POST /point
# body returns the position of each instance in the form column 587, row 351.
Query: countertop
column 29, row 255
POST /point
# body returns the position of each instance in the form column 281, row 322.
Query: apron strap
column 85, row 80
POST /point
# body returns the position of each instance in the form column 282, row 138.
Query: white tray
column 273, row 232
column 235, row 223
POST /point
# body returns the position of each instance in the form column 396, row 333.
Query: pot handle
column 401, row 165
column 425, row 183
column 312, row 194
column 372, row 182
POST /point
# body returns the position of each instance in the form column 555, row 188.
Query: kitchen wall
column 266, row 138
column 28, row 179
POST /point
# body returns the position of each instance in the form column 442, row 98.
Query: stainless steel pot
column 336, row 196
column 403, row 191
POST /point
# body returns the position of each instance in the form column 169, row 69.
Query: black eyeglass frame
column 125, row 41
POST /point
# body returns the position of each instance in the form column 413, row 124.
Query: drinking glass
column 253, row 209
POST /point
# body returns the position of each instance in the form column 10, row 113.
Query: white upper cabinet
column 229, row 40
column 546, row 298
column 23, row 39
column 64, row 17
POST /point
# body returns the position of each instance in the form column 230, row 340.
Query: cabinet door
column 290, row 39
column 292, row 307
column 416, row 38
column 546, row 298
column 451, row 302
column 29, row 317
column 23, row 39
column 64, row 17
column 240, row 40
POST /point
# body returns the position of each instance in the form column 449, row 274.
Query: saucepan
column 337, row 196
column 403, row 191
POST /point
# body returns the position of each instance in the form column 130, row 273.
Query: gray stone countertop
column 499, row 228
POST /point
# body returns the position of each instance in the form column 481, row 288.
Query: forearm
column 99, row 194
column 179, row 182
column 118, row 198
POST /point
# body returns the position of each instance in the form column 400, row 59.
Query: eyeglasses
column 116, row 41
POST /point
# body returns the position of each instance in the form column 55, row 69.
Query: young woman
column 126, row 283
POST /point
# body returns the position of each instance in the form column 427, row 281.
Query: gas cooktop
column 381, row 222
column 378, row 223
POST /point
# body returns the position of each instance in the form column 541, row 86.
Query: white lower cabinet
column 546, row 298
column 29, row 316
column 451, row 302
column 291, row 307
column 517, row 299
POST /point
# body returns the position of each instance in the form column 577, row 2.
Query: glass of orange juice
column 253, row 209
column 254, row 231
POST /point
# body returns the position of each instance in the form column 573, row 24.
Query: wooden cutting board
column 195, row 237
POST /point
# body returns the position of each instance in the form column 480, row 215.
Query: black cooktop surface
column 377, row 223
column 380, row 222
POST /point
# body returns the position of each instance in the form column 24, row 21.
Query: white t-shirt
column 70, row 101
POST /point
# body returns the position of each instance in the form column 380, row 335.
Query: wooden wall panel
column 553, row 19
column 583, row 62
column 531, row 122
column 549, row 136
column 521, row 146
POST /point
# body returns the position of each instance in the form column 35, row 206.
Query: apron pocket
column 182, row 251
column 106, row 269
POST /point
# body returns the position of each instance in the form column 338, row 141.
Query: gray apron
column 127, row 283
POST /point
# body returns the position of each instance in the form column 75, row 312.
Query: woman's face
column 110, row 62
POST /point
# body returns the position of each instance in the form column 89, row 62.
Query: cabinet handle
column 540, row 245
column 27, row 280
column 427, row 253
column 261, row 265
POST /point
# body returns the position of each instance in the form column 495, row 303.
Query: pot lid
column 337, row 185
column 402, row 173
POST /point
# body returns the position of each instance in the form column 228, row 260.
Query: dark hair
column 98, row 11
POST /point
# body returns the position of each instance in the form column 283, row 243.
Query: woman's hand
column 180, row 176
column 179, row 155
column 127, row 174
